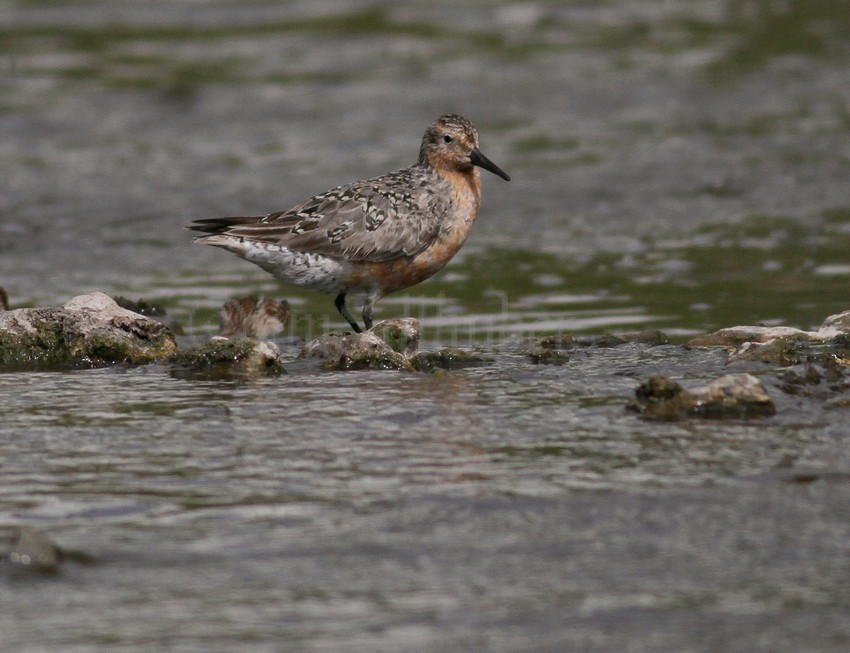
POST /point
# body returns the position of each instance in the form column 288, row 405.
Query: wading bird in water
column 372, row 237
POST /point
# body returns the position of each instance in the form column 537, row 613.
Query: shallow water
column 675, row 166
column 508, row 507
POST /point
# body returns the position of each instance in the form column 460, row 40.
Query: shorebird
column 371, row 237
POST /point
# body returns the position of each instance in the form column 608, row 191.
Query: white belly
column 306, row 270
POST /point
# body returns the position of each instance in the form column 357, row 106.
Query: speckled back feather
column 397, row 214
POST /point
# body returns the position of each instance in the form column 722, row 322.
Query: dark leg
column 367, row 315
column 339, row 302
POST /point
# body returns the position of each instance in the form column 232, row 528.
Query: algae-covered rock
column 801, row 382
column 389, row 345
column 834, row 327
column 225, row 357
column 730, row 396
column 448, row 358
column 402, row 335
column 651, row 337
column 774, row 352
column 24, row 549
column 658, row 388
column 549, row 350
column 87, row 331
column 255, row 317
column 608, row 340
column 354, row 351
column 823, row 376
column 544, row 356
column 558, row 341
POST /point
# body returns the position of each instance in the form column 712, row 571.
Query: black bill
column 482, row 161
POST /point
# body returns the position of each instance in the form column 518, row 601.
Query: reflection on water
column 761, row 270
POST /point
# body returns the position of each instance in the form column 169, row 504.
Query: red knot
column 372, row 237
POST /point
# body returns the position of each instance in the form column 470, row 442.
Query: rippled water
column 680, row 166
column 508, row 507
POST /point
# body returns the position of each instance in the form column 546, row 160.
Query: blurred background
column 679, row 165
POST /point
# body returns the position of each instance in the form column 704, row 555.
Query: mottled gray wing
column 373, row 220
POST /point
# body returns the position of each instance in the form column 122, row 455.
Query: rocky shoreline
column 93, row 330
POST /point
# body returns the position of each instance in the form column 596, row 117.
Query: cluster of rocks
column 812, row 363
column 389, row 345
column 95, row 331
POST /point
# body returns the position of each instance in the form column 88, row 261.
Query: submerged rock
column 558, row 341
column 448, row 358
column 607, row 340
column 225, row 357
column 544, row 356
column 255, row 317
column 795, row 382
column 24, row 549
column 549, row 350
column 651, row 337
column 730, row 396
column 87, row 331
column 774, row 352
column 824, row 376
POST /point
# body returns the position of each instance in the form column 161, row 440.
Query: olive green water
column 679, row 166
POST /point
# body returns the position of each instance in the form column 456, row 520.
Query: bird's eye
column 447, row 139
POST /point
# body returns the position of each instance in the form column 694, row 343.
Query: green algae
column 221, row 358
column 447, row 358
column 546, row 356
column 45, row 348
column 379, row 360
column 557, row 341
column 54, row 344
column 400, row 339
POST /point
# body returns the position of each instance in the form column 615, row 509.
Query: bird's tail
column 220, row 226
